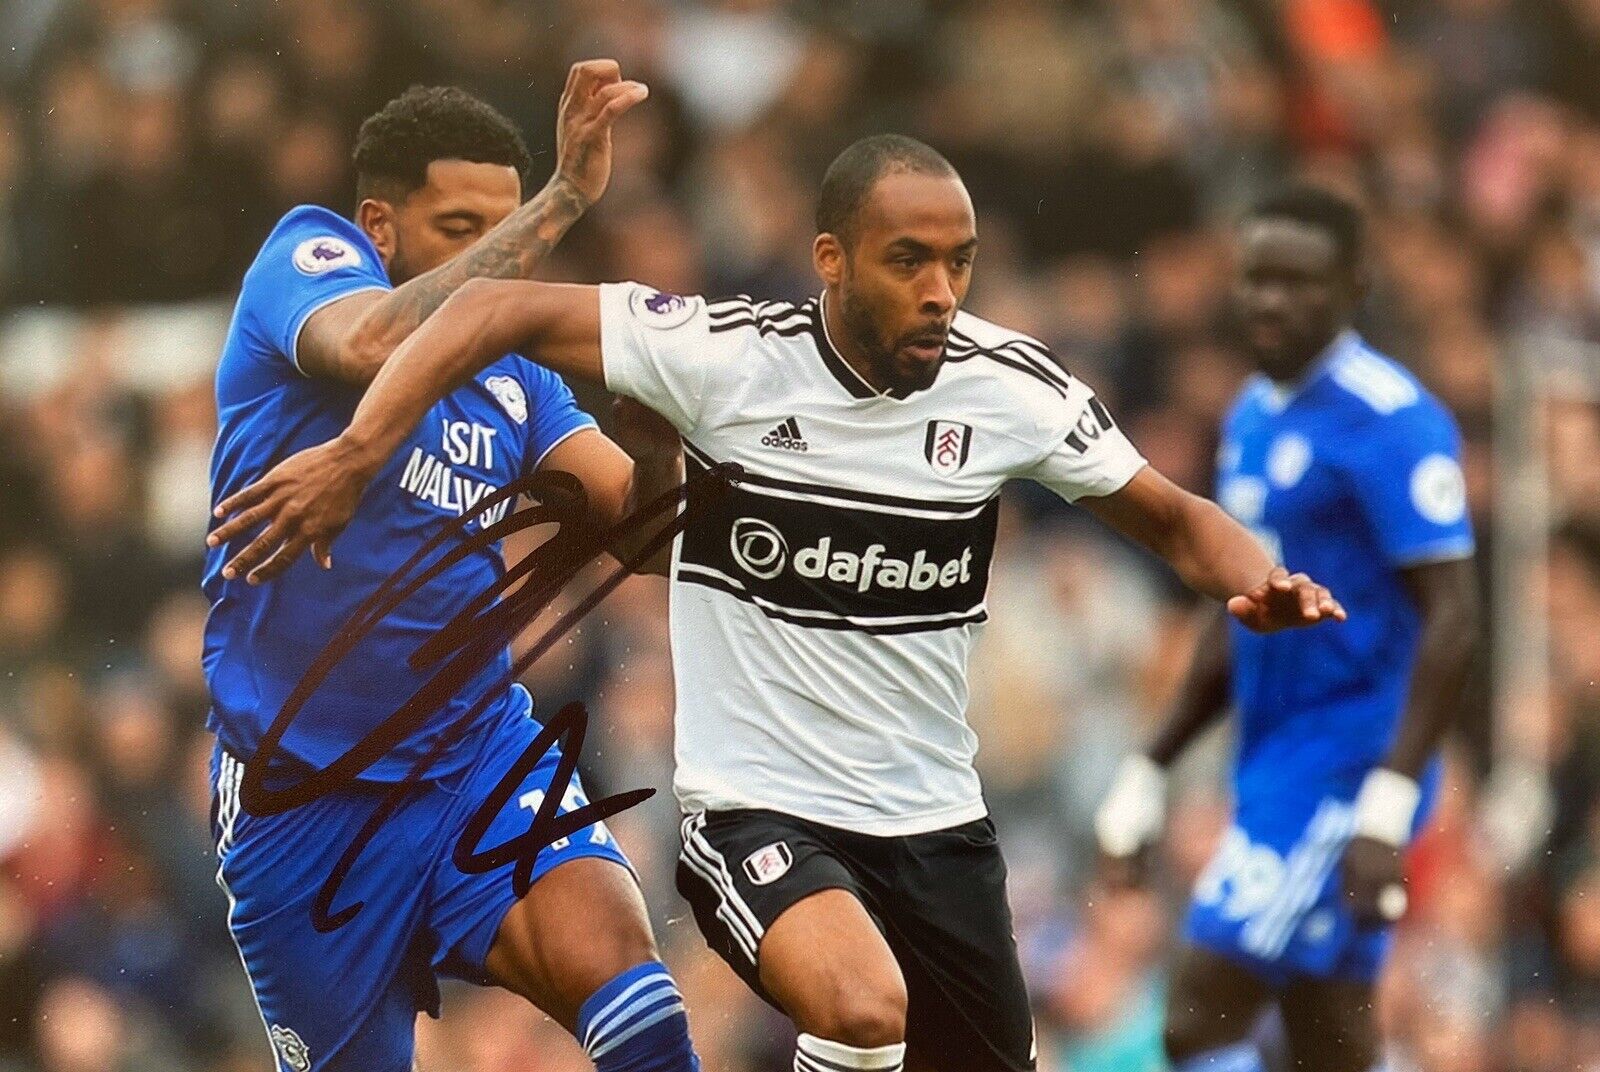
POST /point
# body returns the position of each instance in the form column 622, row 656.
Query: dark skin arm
column 351, row 339
column 1212, row 553
column 657, row 455
column 309, row 498
column 1446, row 595
column 1202, row 698
column 620, row 475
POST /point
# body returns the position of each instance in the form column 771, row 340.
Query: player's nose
column 938, row 296
column 1268, row 301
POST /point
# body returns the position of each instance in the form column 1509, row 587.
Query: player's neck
column 1296, row 377
column 851, row 352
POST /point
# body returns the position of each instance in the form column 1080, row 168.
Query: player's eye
column 906, row 261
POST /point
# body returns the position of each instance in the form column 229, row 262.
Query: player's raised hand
column 303, row 501
column 1285, row 600
column 595, row 97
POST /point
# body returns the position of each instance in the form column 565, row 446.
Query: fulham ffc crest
column 947, row 446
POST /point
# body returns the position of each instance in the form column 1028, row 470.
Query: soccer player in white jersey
column 837, row 850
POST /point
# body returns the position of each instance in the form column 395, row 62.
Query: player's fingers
column 322, row 551
column 617, row 99
column 600, row 71
column 238, row 524
column 592, row 75
column 1309, row 608
column 1245, row 609
column 254, row 552
column 1278, row 580
column 246, row 496
column 280, row 560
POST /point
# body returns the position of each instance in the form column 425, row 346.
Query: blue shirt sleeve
column 312, row 258
column 1411, row 487
column 553, row 413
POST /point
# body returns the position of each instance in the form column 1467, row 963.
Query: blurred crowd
column 147, row 146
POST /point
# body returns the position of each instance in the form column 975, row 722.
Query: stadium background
column 146, row 146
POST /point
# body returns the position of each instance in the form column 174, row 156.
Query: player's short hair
column 853, row 173
column 1332, row 213
column 426, row 123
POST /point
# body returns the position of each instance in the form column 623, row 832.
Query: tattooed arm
column 350, row 339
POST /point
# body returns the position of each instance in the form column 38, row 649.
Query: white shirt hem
column 873, row 824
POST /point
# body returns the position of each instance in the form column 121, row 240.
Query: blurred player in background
column 322, row 308
column 1344, row 466
column 837, row 848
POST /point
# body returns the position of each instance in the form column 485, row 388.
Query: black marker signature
column 476, row 635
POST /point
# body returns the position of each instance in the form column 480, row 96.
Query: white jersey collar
column 842, row 370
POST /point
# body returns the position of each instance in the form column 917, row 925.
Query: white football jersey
column 822, row 612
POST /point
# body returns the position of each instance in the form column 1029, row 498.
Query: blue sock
column 1240, row 1057
column 635, row 1023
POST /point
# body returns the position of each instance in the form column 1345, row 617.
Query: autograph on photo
column 475, row 636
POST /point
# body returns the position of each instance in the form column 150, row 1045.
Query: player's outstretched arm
column 1446, row 595
column 1212, row 553
column 307, row 499
column 349, row 340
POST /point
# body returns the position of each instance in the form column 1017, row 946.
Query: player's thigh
column 582, row 921
column 942, row 897
column 827, row 964
column 1212, row 1001
column 778, row 901
column 339, row 1001
column 580, row 926
column 1331, row 1025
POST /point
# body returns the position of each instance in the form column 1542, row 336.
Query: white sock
column 813, row 1054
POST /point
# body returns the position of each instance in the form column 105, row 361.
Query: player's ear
column 376, row 220
column 827, row 256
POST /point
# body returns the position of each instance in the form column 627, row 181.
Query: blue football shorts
column 346, row 1001
column 1272, row 896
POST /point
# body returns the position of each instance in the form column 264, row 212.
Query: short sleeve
column 1089, row 455
column 555, row 414
column 657, row 348
column 1411, row 487
column 313, row 258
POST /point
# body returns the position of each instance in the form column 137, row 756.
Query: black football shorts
column 939, row 898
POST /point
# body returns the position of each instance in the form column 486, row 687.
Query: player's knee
column 861, row 1015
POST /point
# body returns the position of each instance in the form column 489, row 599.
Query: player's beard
column 863, row 330
column 399, row 264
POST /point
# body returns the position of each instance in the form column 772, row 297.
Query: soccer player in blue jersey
column 323, row 306
column 1345, row 467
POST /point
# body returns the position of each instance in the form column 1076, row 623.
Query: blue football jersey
column 260, row 640
column 1350, row 477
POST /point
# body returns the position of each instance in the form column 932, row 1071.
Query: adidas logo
column 786, row 436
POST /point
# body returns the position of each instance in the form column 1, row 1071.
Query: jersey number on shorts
column 571, row 800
